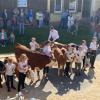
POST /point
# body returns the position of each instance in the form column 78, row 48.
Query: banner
column 21, row 3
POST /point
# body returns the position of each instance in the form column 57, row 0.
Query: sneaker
column 84, row 69
column 20, row 93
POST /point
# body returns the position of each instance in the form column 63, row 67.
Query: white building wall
column 95, row 6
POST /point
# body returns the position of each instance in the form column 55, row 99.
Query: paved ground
column 85, row 87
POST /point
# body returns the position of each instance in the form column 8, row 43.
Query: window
column 58, row 6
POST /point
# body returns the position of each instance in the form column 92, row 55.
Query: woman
column 23, row 68
column 53, row 36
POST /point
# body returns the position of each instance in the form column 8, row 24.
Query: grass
column 42, row 35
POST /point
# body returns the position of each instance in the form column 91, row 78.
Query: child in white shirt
column 79, row 58
column 33, row 44
column 9, row 71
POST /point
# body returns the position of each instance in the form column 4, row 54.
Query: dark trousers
column 21, row 82
column 5, row 23
column 78, row 68
column 37, row 22
column 0, row 80
column 2, row 42
column 9, row 81
column 46, row 70
column 67, row 68
column 84, row 61
column 92, row 57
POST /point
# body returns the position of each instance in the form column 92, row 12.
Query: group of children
column 10, row 68
column 5, row 38
column 81, row 55
column 76, row 54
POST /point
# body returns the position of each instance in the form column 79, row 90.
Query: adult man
column 53, row 36
column 5, row 18
column 21, row 22
column 70, row 22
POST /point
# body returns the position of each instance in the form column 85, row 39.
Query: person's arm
column 49, row 36
column 37, row 45
column 14, row 66
column 26, row 66
column 56, row 36
column 5, row 68
column 97, row 46
column 30, row 45
column 91, row 45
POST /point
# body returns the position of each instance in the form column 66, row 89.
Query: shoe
column 84, row 70
column 13, row 88
column 20, row 93
column 93, row 67
column 67, row 75
column 9, row 90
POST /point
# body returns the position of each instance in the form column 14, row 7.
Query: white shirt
column 69, row 55
column 33, row 45
column 10, row 67
column 41, row 16
column 84, row 49
column 2, row 36
column 54, row 35
column 47, row 50
column 70, row 20
column 79, row 56
column 22, row 66
column 93, row 46
column 6, row 15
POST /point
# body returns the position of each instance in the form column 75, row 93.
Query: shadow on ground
column 62, row 84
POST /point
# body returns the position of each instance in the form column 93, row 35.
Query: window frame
column 60, row 8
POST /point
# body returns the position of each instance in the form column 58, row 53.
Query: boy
column 9, row 70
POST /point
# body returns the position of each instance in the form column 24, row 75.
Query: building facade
column 90, row 7
column 95, row 5
column 47, row 5
column 55, row 7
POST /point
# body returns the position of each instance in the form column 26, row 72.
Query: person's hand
column 97, row 45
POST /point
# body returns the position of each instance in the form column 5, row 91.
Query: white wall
column 95, row 6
